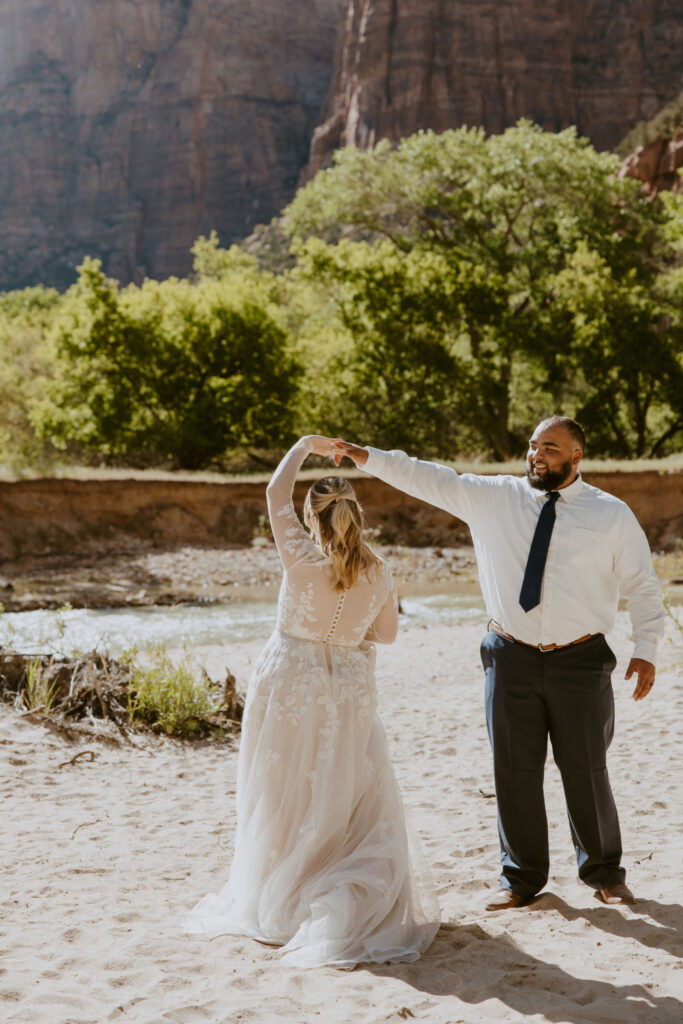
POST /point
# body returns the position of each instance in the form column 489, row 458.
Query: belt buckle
column 547, row 647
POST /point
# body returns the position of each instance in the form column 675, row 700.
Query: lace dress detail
column 323, row 863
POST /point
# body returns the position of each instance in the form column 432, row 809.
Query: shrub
column 174, row 697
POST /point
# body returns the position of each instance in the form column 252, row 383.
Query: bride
column 323, row 864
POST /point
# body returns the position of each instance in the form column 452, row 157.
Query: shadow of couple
column 467, row 962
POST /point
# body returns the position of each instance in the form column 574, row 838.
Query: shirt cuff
column 647, row 650
column 374, row 459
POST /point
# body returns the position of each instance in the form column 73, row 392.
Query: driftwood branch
column 91, row 754
column 92, row 689
column 84, row 824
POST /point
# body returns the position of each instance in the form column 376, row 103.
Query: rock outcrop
column 128, row 128
column 402, row 65
column 657, row 165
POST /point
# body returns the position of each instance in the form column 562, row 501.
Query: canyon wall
column 130, row 127
column 402, row 65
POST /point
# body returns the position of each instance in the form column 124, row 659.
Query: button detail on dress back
column 335, row 618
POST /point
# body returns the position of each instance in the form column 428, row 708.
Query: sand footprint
column 127, row 917
column 191, row 1014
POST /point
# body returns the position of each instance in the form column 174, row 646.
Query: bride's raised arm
column 291, row 540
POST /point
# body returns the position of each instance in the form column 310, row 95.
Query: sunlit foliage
column 440, row 295
column 541, row 275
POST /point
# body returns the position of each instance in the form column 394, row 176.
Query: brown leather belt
column 539, row 647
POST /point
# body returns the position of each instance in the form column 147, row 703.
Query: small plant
column 38, row 693
column 8, row 631
column 174, row 697
column 59, row 624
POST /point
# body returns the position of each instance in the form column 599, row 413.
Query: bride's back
column 311, row 608
column 335, row 588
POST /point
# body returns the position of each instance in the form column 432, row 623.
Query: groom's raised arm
column 464, row 495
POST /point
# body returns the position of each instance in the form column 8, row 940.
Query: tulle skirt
column 324, row 864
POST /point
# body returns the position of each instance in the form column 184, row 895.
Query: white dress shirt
column 598, row 551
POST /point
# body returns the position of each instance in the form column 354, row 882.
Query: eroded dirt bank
column 57, row 517
column 135, row 542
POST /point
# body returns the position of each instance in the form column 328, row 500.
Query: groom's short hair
column 574, row 429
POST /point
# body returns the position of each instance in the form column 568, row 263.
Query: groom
column 554, row 556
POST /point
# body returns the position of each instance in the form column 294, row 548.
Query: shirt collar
column 569, row 493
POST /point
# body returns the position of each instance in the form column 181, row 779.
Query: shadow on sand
column 666, row 934
column 466, row 962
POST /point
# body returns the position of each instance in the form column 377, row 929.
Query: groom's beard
column 549, row 480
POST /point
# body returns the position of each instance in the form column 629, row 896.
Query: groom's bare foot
column 505, row 899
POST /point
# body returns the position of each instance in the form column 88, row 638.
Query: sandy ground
column 102, row 858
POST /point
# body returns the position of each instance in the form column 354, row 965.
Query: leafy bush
column 174, row 697
column 174, row 370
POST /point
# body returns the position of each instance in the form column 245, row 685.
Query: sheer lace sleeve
column 292, row 541
column 385, row 627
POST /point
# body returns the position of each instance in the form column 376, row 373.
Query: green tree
column 625, row 357
column 505, row 215
column 394, row 381
column 26, row 362
column 170, row 370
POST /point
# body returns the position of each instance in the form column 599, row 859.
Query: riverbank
column 193, row 575
column 104, row 854
column 143, row 577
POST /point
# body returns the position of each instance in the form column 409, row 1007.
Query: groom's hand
column 645, row 672
column 352, row 451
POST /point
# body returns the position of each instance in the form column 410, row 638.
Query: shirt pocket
column 588, row 548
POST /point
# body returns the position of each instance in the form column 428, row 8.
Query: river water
column 116, row 630
column 251, row 617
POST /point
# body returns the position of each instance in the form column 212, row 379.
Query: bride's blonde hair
column 334, row 516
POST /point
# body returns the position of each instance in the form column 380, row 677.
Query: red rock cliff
column 407, row 64
column 129, row 127
column 657, row 165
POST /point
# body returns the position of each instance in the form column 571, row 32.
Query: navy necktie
column 530, row 594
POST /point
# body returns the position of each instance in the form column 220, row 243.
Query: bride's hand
column 322, row 445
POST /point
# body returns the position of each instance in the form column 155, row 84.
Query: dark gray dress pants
column 565, row 694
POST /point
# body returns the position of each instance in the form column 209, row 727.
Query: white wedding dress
column 323, row 863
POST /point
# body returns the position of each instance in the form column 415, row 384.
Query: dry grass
column 516, row 466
